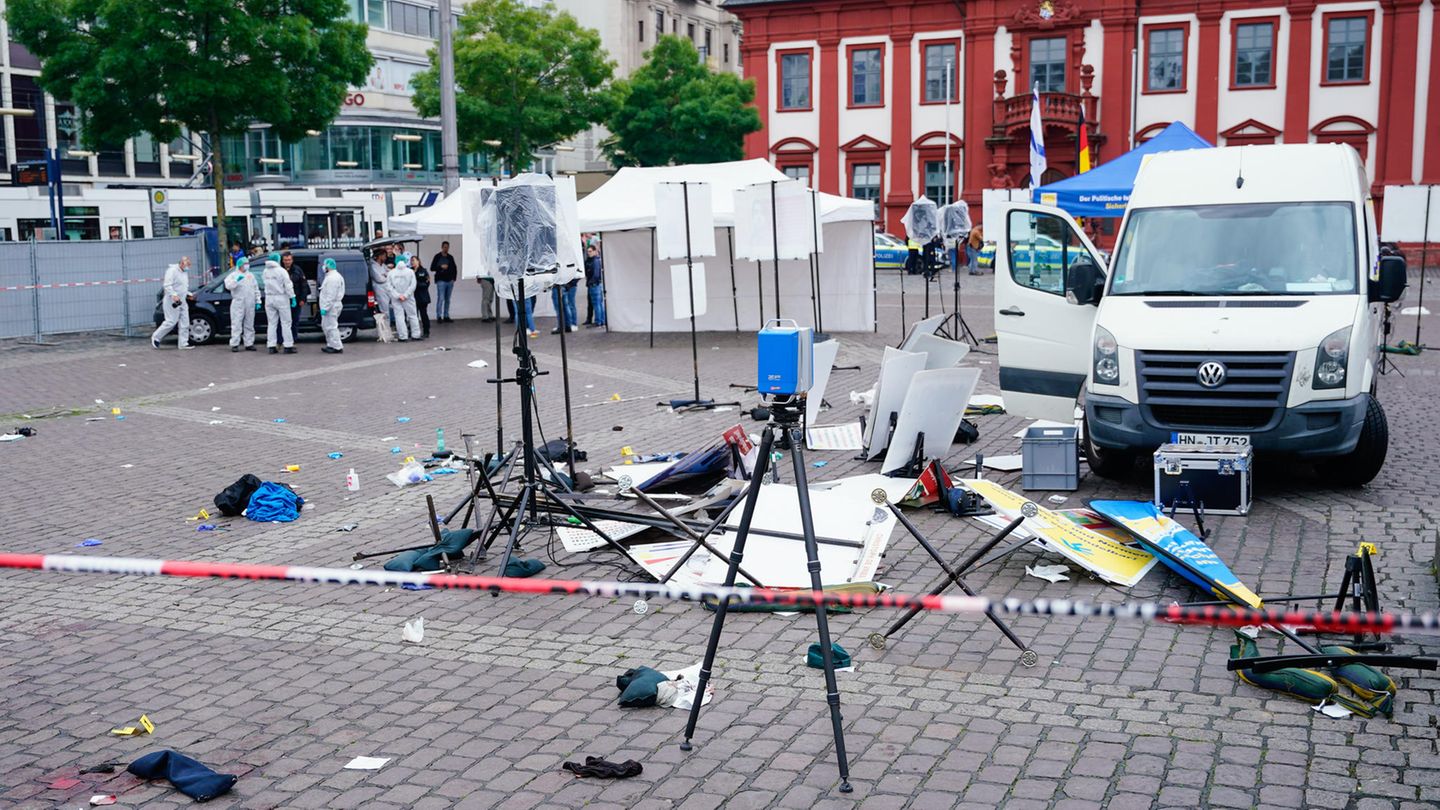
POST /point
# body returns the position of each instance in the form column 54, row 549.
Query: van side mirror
column 1084, row 283
column 1393, row 279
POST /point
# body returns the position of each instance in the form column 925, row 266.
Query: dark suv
column 210, row 311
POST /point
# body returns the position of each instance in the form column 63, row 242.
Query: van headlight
column 1107, row 358
column 1331, row 359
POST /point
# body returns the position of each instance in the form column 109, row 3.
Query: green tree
column 527, row 78
column 674, row 109
column 213, row 66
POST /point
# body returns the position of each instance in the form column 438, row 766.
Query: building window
column 690, row 31
column 795, row 81
column 641, row 26
column 417, row 21
column 659, row 24
column 865, row 69
column 939, row 183
column 865, row 181
column 707, row 43
column 147, row 155
column 1165, row 60
column 1047, row 64
column 801, row 173
column 940, row 73
column 1345, row 51
column 725, row 48
column 375, row 13
column 1255, row 54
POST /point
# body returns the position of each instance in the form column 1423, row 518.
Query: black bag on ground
column 233, row 499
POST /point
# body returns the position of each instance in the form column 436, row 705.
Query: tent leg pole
column 734, row 288
column 652, row 289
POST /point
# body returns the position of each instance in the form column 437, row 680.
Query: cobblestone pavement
column 283, row 683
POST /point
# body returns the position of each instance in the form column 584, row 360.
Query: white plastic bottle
column 352, row 481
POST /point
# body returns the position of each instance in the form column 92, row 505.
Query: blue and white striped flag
column 1037, row 140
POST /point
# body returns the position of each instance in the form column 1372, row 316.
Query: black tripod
column 526, row 509
column 954, row 326
column 785, row 418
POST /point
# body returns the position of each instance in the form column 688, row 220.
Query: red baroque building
column 853, row 93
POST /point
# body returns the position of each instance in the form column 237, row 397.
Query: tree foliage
column 674, row 109
column 526, row 79
column 216, row 66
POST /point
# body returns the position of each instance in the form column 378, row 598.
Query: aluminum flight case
column 1219, row 478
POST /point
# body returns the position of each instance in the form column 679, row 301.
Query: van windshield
column 1250, row 249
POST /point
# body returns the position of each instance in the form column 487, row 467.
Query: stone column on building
column 828, row 157
column 1207, row 73
column 902, row 173
column 979, row 106
column 754, row 55
column 1297, row 72
column 1395, row 139
column 1430, row 169
column 1117, row 82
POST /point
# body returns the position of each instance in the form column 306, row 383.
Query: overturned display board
column 932, row 411
column 897, row 370
column 1104, row 557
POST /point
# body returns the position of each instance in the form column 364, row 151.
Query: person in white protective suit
column 380, row 284
column 177, row 312
column 332, row 295
column 402, row 297
column 279, row 298
column 244, row 301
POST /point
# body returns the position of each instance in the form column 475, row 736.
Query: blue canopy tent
column 1104, row 191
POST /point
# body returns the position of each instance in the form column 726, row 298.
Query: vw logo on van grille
column 1210, row 374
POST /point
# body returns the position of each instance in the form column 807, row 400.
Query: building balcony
column 1059, row 110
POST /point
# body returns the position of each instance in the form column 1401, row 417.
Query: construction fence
column 61, row 287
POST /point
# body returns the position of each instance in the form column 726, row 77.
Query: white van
column 1242, row 305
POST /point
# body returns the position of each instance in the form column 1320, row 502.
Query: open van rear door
column 1045, row 351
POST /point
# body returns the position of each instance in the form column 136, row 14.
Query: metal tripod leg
column 684, row 558
column 699, row 539
column 822, row 621
column 767, row 440
column 1027, row 655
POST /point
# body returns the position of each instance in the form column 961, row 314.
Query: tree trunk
column 217, row 179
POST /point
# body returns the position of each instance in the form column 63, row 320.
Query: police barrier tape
column 1224, row 616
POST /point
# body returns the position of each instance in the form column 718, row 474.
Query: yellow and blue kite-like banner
column 1212, row 615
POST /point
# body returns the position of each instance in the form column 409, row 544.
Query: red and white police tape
column 1226, row 616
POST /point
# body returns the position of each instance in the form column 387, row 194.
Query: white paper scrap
column 834, row 437
column 1333, row 710
column 477, row 364
column 998, row 463
column 687, row 683
column 1049, row 573
column 366, row 763
column 413, row 632
column 1415, row 311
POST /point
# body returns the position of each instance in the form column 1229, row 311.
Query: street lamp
column 407, row 137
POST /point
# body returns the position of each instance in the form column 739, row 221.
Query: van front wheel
column 1361, row 465
column 1107, row 463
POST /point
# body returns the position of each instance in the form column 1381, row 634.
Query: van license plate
column 1216, row 439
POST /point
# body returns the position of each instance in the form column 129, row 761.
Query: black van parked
column 210, row 309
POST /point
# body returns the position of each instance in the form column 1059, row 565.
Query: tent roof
column 627, row 200
column 440, row 219
column 1104, row 191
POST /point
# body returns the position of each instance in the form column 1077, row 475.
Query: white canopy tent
column 638, row 293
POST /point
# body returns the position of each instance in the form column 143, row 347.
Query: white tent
column 637, row 286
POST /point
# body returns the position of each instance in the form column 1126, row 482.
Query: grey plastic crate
column 1050, row 458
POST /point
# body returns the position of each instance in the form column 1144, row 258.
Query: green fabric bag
column 1305, row 684
column 1371, row 685
column 638, row 686
column 814, row 658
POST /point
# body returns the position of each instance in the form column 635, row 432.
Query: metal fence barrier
column 52, row 288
